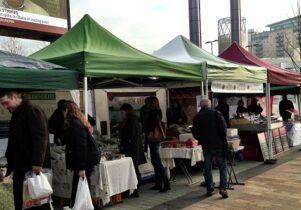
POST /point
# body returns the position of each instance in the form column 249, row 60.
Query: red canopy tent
column 275, row 75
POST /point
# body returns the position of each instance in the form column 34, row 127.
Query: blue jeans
column 221, row 161
column 160, row 173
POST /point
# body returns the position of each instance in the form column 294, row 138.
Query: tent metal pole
column 207, row 87
column 202, row 88
column 204, row 78
column 299, row 101
column 269, row 131
column 86, row 97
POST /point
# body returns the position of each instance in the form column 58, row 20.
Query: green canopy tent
column 98, row 54
column 95, row 52
column 19, row 72
column 180, row 49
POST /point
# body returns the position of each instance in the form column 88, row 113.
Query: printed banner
column 236, row 87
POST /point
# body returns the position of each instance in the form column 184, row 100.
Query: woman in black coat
column 131, row 139
column 78, row 130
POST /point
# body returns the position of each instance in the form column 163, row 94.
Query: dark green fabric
column 95, row 52
column 23, row 78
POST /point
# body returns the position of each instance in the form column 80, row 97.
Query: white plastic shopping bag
column 83, row 200
column 39, row 186
column 28, row 201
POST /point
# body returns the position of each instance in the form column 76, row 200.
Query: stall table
column 113, row 177
column 110, row 177
column 168, row 155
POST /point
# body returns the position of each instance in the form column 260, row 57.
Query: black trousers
column 18, row 179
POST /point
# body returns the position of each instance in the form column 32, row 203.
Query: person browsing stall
column 284, row 106
column 78, row 130
column 209, row 128
column 131, row 140
column 28, row 142
column 155, row 132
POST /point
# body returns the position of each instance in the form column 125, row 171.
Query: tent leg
column 86, row 96
column 206, row 87
column 299, row 102
column 269, row 131
column 202, row 88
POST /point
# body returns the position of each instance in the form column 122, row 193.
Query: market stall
column 109, row 178
column 275, row 75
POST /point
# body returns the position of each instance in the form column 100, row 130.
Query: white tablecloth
column 113, row 177
column 168, row 155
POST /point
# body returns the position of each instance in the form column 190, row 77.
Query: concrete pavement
column 268, row 187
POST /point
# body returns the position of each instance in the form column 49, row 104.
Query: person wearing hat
column 254, row 107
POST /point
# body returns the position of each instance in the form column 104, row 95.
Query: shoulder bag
column 94, row 154
column 157, row 135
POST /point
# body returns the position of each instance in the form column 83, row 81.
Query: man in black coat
column 284, row 106
column 28, row 142
column 209, row 128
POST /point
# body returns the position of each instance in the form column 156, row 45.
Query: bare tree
column 12, row 45
column 292, row 45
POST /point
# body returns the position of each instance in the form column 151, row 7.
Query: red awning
column 276, row 75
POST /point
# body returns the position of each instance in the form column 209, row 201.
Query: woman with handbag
column 78, row 134
column 155, row 132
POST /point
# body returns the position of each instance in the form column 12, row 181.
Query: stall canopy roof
column 19, row 72
column 95, row 52
column 180, row 49
column 276, row 75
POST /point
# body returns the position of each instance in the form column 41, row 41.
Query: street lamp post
column 251, row 46
column 211, row 43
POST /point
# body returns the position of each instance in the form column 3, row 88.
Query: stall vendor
column 254, row 107
column 240, row 108
column 175, row 114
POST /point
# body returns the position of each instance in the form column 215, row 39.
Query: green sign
column 39, row 96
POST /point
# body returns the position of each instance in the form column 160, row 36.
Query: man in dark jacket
column 28, row 142
column 284, row 106
column 209, row 128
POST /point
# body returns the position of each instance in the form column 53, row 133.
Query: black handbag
column 94, row 154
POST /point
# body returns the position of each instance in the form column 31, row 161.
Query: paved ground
column 269, row 187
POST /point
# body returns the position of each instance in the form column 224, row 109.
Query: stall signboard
column 263, row 146
column 236, row 87
column 25, row 17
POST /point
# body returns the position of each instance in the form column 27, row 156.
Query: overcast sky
column 149, row 24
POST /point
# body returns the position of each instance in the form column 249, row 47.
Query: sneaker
column 223, row 193
column 210, row 192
